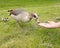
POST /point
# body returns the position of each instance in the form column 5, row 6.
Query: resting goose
column 22, row 15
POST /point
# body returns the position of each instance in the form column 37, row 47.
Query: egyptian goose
column 22, row 15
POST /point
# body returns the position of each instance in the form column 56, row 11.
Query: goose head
column 35, row 16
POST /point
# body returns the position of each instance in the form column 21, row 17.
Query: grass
column 29, row 35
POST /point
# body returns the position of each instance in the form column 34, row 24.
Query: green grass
column 29, row 35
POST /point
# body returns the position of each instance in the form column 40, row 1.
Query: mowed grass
column 30, row 35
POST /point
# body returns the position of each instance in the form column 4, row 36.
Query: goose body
column 21, row 17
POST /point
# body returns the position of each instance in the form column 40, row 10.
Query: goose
column 22, row 15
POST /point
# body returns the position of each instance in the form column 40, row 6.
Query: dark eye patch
column 34, row 16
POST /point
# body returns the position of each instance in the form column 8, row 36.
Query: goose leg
column 18, row 24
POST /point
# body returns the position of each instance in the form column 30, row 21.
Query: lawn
column 29, row 35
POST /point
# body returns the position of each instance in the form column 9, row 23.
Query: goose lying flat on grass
column 22, row 15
